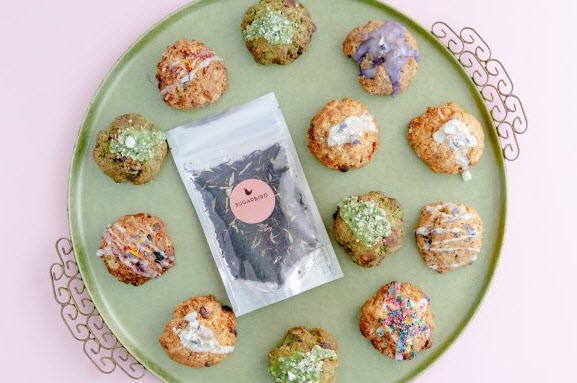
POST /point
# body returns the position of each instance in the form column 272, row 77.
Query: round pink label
column 252, row 201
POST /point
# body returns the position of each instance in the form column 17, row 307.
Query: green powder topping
column 302, row 367
column 137, row 144
column 273, row 26
column 367, row 220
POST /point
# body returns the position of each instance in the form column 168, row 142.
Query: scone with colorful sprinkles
column 190, row 75
column 369, row 227
column 387, row 56
column 277, row 31
column 449, row 236
column 305, row 356
column 136, row 248
column 398, row 321
column 343, row 135
column 448, row 139
column 131, row 150
column 201, row 333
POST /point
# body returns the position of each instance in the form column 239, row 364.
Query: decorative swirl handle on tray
column 102, row 347
column 492, row 81
column 82, row 318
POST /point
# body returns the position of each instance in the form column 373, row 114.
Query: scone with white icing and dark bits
column 201, row 333
column 449, row 236
column 190, row 75
column 448, row 139
column 305, row 356
column 387, row 56
column 369, row 227
column 343, row 135
column 398, row 321
column 277, row 31
column 136, row 248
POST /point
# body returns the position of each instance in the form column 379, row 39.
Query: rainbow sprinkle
column 404, row 320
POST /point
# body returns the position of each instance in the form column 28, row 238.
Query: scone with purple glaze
column 201, row 333
column 398, row 321
column 136, row 248
column 190, row 75
column 387, row 56
column 343, row 135
column 449, row 236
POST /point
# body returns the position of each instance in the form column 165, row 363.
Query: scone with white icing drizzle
column 369, row 227
column 190, row 75
column 448, row 139
column 201, row 333
column 449, row 236
column 343, row 135
column 136, row 248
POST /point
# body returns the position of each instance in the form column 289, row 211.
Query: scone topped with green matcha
column 131, row 150
column 277, row 31
column 369, row 227
column 305, row 356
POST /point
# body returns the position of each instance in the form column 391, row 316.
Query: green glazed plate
column 137, row 315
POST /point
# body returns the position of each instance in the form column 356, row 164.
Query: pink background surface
column 54, row 55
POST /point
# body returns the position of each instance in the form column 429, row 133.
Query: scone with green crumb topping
column 398, row 321
column 343, row 135
column 277, row 31
column 305, row 356
column 131, row 150
column 200, row 334
column 369, row 227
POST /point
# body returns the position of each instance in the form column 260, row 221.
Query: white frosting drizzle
column 199, row 338
column 351, row 130
column 456, row 134
column 118, row 245
column 438, row 214
column 187, row 76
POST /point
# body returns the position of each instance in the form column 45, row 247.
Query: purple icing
column 387, row 46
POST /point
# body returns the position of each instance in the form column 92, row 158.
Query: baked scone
column 343, row 135
column 398, row 321
column 448, row 139
column 305, row 356
column 136, row 248
column 201, row 333
column 449, row 236
column 190, row 75
column 131, row 150
column 369, row 227
column 387, row 56
column 277, row 31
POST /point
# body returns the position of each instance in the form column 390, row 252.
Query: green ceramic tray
column 136, row 315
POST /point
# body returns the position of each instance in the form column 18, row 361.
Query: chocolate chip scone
column 201, row 333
